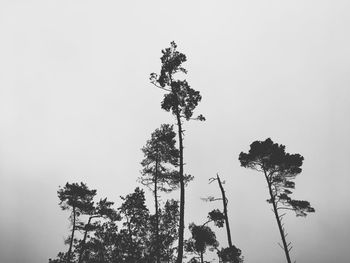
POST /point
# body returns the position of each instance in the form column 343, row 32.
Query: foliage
column 168, row 226
column 79, row 199
column 217, row 217
column 202, row 237
column 279, row 168
column 161, row 157
column 77, row 196
column 105, row 240
column 136, row 218
column 230, row 255
column 181, row 100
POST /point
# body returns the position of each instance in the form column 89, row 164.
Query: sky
column 76, row 105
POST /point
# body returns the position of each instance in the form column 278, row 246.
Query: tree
column 106, row 244
column 168, row 229
column 102, row 209
column 231, row 253
column 161, row 157
column 135, row 234
column 181, row 100
column 215, row 216
column 79, row 199
column 202, row 237
column 279, row 169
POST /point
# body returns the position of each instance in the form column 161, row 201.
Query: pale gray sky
column 76, row 105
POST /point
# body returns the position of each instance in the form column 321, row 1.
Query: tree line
column 101, row 233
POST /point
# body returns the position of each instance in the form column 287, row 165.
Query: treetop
column 271, row 157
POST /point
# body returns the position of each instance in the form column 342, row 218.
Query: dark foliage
column 279, row 169
column 104, row 239
column 161, row 159
column 181, row 100
column 230, row 255
column 217, row 217
column 202, row 237
column 77, row 198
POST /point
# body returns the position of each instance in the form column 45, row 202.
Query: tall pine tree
column 181, row 100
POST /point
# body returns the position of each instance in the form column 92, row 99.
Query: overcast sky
column 76, row 105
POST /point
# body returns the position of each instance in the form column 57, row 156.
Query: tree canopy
column 279, row 169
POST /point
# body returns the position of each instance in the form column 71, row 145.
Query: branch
column 207, row 222
column 280, row 216
column 160, row 87
column 210, row 199
column 147, row 185
column 212, row 179
column 285, row 208
column 217, row 199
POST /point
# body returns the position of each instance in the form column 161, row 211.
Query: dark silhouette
column 78, row 199
column 161, row 158
column 181, row 100
column 137, row 237
column 232, row 253
column 202, row 237
column 136, row 218
column 102, row 209
column 216, row 216
column 104, row 240
column 168, row 230
column 106, row 245
column 279, row 169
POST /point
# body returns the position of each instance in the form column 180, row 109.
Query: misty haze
column 178, row 132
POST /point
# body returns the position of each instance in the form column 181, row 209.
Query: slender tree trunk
column 82, row 249
column 283, row 237
column 72, row 237
column 202, row 259
column 224, row 200
column 157, row 213
column 182, row 193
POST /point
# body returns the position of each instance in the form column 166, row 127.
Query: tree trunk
column 71, row 239
column 283, row 237
column 202, row 259
column 157, row 213
column 84, row 241
column 182, row 194
column 224, row 200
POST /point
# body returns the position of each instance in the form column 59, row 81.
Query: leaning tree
column 79, row 199
column 181, row 100
column 231, row 253
column 101, row 210
column 279, row 169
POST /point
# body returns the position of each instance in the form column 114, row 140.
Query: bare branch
column 160, row 87
column 285, row 208
column 210, row 199
column 212, row 179
column 282, row 215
